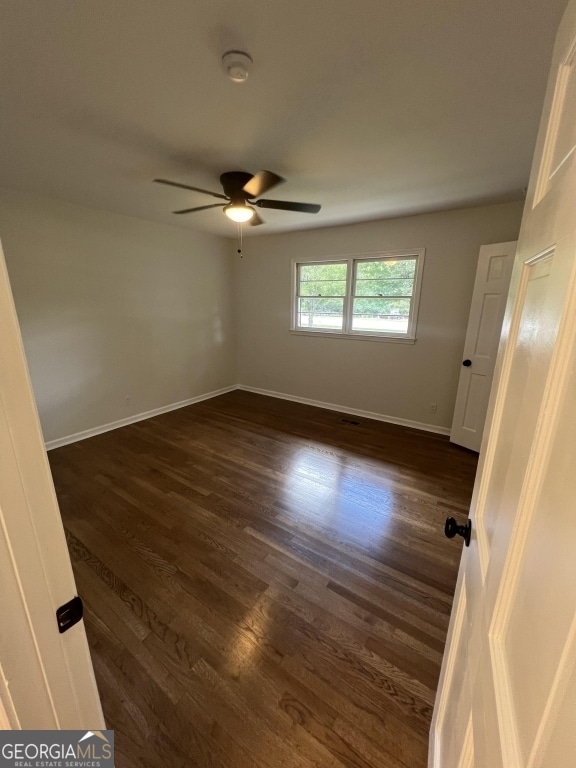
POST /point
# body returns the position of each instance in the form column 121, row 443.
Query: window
column 375, row 296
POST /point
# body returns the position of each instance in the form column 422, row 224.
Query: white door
column 46, row 678
column 507, row 694
column 481, row 346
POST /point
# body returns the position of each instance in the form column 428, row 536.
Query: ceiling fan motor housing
column 233, row 183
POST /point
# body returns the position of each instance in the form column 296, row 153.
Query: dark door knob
column 467, row 363
column 451, row 529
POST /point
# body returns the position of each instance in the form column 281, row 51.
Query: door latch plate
column 69, row 614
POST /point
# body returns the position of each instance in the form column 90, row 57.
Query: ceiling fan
column 240, row 190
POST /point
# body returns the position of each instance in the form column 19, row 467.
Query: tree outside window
column 372, row 296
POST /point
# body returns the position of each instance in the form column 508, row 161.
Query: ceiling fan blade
column 256, row 220
column 286, row 205
column 201, row 208
column 261, row 183
column 193, row 189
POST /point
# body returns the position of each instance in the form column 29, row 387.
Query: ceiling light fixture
column 237, row 65
column 239, row 212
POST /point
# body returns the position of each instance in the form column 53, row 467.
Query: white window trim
column 352, row 260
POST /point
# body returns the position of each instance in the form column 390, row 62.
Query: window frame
column 352, row 262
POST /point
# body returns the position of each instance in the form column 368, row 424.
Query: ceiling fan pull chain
column 240, row 240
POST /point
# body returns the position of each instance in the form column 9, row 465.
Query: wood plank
column 264, row 584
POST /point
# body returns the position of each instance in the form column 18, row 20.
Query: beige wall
column 113, row 307
column 391, row 379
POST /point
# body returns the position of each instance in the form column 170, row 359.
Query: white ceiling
column 373, row 108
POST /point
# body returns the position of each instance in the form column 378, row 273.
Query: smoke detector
column 237, row 65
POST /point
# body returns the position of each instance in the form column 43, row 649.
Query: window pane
column 323, row 288
column 380, row 300
column 385, row 268
column 381, row 315
column 323, row 314
column 393, row 287
column 322, row 272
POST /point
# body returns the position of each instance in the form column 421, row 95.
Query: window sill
column 356, row 336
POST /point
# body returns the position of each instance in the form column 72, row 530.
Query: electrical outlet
column 433, row 407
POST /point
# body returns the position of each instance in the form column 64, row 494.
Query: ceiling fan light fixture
column 239, row 212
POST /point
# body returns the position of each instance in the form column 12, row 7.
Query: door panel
column 467, row 756
column 485, row 718
column 451, row 707
column 560, row 142
column 473, row 404
column 490, row 324
column 540, row 573
column 556, row 739
column 530, row 348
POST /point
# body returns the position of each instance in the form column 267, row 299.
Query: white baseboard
column 60, row 441
column 352, row 411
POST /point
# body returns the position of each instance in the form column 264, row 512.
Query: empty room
column 287, row 384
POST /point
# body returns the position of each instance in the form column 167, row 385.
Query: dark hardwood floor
column 264, row 584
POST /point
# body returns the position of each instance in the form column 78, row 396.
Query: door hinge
column 69, row 614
